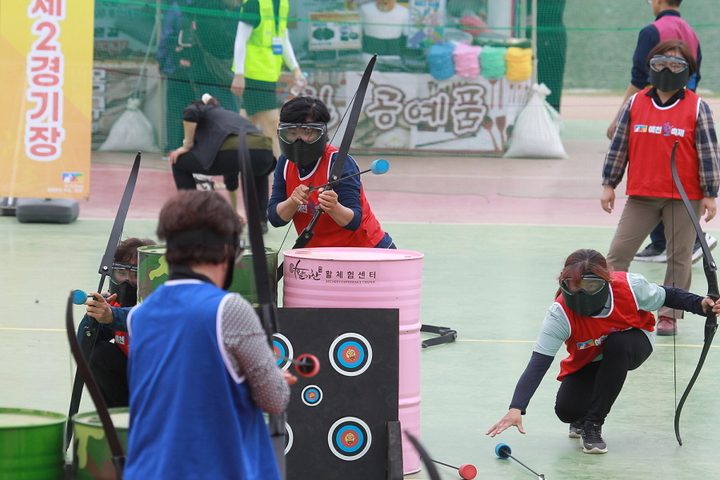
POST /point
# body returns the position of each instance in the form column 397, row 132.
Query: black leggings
column 589, row 393
column 108, row 365
column 225, row 164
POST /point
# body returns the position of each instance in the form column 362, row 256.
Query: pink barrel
column 379, row 278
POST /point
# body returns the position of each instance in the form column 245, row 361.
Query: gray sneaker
column 591, row 438
column 652, row 253
column 576, row 429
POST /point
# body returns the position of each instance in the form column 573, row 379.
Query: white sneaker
column 204, row 182
column 711, row 241
column 697, row 248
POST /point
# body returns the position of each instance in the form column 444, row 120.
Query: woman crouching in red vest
column 603, row 318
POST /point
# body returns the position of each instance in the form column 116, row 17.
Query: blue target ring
column 282, row 347
column 349, row 438
column 350, row 354
column 312, row 395
column 346, row 359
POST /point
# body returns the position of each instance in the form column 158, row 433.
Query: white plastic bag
column 132, row 131
column 536, row 132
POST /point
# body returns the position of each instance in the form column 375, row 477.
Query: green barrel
column 153, row 272
column 92, row 458
column 31, row 444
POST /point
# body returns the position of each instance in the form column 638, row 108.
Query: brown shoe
column 666, row 326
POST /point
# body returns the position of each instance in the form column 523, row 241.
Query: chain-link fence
column 451, row 76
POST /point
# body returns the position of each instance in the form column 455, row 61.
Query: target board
column 338, row 417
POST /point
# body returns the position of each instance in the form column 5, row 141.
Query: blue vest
column 189, row 418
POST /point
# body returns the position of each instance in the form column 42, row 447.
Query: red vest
column 588, row 334
column 653, row 132
column 327, row 232
column 122, row 340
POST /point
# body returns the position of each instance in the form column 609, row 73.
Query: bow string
column 710, row 269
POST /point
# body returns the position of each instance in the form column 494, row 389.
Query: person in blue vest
column 650, row 123
column 201, row 370
column 605, row 320
column 306, row 160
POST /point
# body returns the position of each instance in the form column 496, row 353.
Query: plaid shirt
column 616, row 158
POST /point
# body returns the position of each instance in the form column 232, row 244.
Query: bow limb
column 336, row 171
column 116, row 449
column 265, row 309
column 90, row 334
column 710, row 269
column 426, row 459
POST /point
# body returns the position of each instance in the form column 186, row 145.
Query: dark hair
column 193, row 210
column 673, row 3
column 127, row 249
column 304, row 108
column 583, row 262
column 665, row 46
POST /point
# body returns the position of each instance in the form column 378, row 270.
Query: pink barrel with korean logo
column 368, row 278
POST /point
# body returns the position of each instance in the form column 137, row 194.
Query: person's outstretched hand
column 512, row 417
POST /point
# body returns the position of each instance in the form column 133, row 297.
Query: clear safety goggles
column 590, row 285
column 672, row 63
column 122, row 272
column 308, row 132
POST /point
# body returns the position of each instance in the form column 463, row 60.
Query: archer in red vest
column 604, row 319
column 109, row 357
column 306, row 160
column 649, row 125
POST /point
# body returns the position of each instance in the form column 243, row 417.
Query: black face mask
column 667, row 81
column 123, row 282
column 584, row 304
column 126, row 293
column 303, row 154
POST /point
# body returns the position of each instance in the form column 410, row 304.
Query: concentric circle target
column 350, row 354
column 312, row 395
column 282, row 347
column 349, row 438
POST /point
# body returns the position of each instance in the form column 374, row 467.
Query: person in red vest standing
column 668, row 25
column 650, row 124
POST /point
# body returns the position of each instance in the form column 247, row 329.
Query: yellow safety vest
column 260, row 62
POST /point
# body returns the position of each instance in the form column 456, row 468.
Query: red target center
column 348, row 438
column 350, row 354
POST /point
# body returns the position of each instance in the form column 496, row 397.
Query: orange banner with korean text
column 46, row 60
